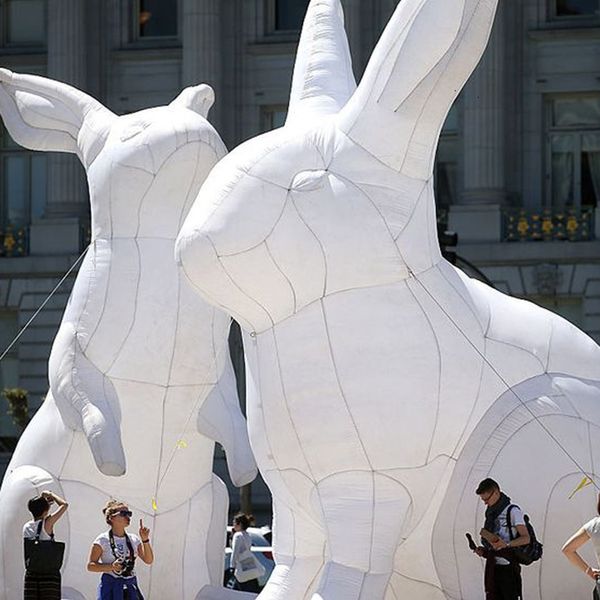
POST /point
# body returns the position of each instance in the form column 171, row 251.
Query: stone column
column 202, row 47
column 67, row 191
column 477, row 216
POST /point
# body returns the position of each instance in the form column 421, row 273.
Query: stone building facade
column 517, row 174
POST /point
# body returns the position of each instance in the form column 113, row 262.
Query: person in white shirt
column 114, row 553
column 45, row 586
column 502, row 572
column 244, row 565
column 590, row 531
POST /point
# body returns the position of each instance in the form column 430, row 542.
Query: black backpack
column 525, row 555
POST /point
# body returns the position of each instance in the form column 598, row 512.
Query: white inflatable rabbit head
column 341, row 197
column 138, row 165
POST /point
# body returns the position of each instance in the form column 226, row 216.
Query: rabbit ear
column 323, row 80
column 425, row 55
column 42, row 114
column 199, row 98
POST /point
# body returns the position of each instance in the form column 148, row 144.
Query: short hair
column 487, row 485
column 111, row 507
column 242, row 520
column 38, row 506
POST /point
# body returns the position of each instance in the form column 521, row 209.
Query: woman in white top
column 43, row 586
column 114, row 552
column 590, row 531
column 241, row 560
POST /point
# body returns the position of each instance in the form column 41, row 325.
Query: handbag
column 43, row 557
column 248, row 567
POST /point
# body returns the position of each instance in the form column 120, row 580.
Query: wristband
column 145, row 541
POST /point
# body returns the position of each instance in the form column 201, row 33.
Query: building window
column 155, row 19
column 285, row 16
column 24, row 22
column 22, row 184
column 446, row 161
column 574, row 152
column 567, row 9
column 272, row 117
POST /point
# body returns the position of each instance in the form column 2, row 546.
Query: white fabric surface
column 141, row 383
column 377, row 373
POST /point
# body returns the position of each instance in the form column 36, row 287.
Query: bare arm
column 570, row 551
column 145, row 551
column 97, row 567
column 521, row 540
column 50, row 521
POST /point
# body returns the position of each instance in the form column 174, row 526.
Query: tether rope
column 35, row 314
column 508, row 386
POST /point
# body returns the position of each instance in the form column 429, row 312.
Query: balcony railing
column 14, row 241
column 575, row 225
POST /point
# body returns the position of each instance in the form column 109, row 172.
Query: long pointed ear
column 42, row 114
column 323, row 80
column 425, row 56
column 199, row 98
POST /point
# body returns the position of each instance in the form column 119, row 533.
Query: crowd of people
column 114, row 552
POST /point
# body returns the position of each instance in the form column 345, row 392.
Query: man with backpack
column 505, row 528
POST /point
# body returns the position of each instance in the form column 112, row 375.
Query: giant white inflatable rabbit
column 141, row 382
column 371, row 361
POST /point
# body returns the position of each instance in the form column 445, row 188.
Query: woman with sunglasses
column 114, row 552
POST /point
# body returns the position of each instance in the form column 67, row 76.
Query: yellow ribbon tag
column 181, row 444
column 582, row 484
column 154, row 505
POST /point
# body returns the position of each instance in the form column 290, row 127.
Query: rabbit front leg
column 364, row 512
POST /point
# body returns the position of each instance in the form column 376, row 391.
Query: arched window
column 573, row 152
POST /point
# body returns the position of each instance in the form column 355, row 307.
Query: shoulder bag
column 43, row 556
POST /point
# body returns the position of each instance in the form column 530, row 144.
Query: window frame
column 578, row 132
column 271, row 23
column 133, row 37
column 553, row 16
column 4, row 30
column 17, row 151
column 267, row 111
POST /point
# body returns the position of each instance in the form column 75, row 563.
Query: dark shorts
column 41, row 587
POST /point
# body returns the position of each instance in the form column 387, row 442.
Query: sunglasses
column 123, row 513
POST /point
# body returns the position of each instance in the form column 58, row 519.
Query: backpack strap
column 39, row 531
column 508, row 521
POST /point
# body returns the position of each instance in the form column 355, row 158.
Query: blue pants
column 118, row 588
